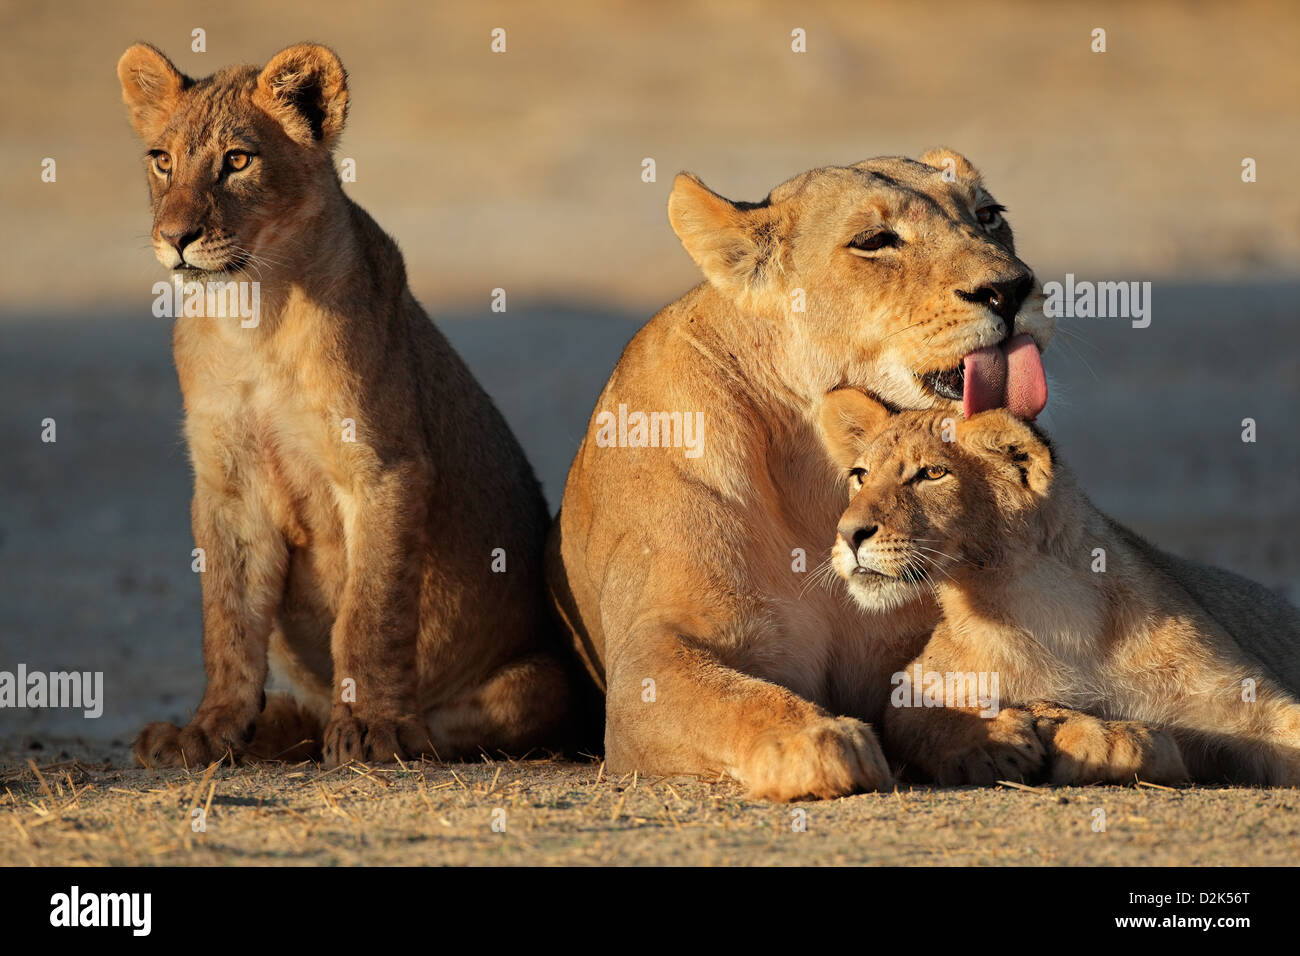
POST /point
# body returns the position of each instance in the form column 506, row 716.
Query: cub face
column 930, row 494
column 894, row 270
column 237, row 161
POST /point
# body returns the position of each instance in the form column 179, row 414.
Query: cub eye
column 990, row 216
column 857, row 475
column 162, row 162
column 237, row 159
column 933, row 472
column 873, row 241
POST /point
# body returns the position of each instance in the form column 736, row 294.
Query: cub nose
column 180, row 238
column 1003, row 296
column 855, row 534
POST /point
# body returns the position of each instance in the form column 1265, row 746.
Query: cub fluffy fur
column 980, row 511
column 351, row 479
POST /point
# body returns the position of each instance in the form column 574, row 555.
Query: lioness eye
column 934, row 472
column 857, row 474
column 237, row 160
column 871, row 241
column 162, row 162
column 990, row 215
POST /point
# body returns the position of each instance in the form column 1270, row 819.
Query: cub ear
column 947, row 159
column 849, row 420
column 151, row 88
column 1017, row 444
column 736, row 245
column 306, row 89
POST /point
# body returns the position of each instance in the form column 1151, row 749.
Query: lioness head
column 931, row 494
column 236, row 160
column 895, row 273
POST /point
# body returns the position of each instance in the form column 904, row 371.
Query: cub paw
column 374, row 740
column 830, row 758
column 1005, row 747
column 197, row 744
column 1083, row 749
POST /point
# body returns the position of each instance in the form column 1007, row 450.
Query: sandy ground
column 557, row 813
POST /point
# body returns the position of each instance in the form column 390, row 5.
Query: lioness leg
column 673, row 704
column 242, row 579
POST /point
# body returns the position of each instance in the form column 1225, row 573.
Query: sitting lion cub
column 980, row 511
column 369, row 532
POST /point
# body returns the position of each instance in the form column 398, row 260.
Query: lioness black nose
column 1003, row 296
column 180, row 238
column 855, row 533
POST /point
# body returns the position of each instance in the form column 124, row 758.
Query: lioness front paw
column 197, row 744
column 1005, row 747
column 831, row 758
column 1083, row 749
column 374, row 740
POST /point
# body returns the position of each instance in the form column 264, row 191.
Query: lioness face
column 930, row 494
column 233, row 161
column 896, row 272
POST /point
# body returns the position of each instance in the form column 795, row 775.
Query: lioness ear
column 946, row 159
column 737, row 247
column 849, row 419
column 1018, row 444
column 151, row 88
column 306, row 88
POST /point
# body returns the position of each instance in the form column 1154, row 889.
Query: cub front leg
column 673, row 706
column 1084, row 749
column 953, row 746
column 375, row 715
column 959, row 741
column 242, row 577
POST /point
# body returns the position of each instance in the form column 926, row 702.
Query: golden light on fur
column 681, row 572
column 352, row 481
column 1154, row 649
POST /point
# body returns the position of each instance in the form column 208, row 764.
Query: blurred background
column 523, row 171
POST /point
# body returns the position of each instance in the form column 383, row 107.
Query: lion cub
column 369, row 531
column 1046, row 599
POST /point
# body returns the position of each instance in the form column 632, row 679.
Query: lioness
column 682, row 575
column 980, row 511
column 370, row 530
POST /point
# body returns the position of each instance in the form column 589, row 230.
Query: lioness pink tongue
column 1010, row 375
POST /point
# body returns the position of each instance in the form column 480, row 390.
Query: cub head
column 932, row 496
column 237, row 160
column 900, row 275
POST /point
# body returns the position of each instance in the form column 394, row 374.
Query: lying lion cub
column 980, row 511
column 369, row 531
